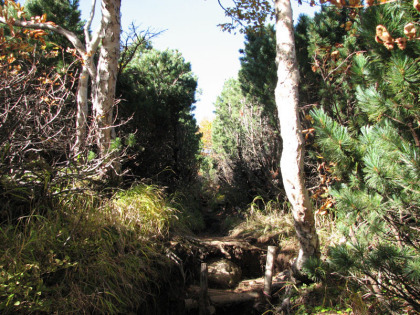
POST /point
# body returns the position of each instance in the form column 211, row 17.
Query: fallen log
column 193, row 250
column 220, row 297
column 246, row 298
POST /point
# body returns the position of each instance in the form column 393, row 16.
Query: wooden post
column 203, row 303
column 269, row 266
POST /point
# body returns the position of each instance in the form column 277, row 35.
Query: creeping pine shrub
column 87, row 256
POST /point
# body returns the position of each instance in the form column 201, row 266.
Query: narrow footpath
column 235, row 270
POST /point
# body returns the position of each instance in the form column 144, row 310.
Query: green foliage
column 330, row 41
column 159, row 93
column 245, row 133
column 392, row 270
column 188, row 200
column 65, row 13
column 367, row 130
column 335, row 140
column 331, row 296
column 309, row 80
column 315, row 269
column 258, row 73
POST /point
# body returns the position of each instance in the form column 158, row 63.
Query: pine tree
column 258, row 75
column 245, row 131
column 332, row 37
column 62, row 12
column 158, row 88
column 375, row 160
column 310, row 81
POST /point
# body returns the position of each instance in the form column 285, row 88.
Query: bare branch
column 89, row 21
column 50, row 27
column 132, row 43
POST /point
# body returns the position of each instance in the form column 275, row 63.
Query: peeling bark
column 82, row 110
column 107, row 70
column 292, row 156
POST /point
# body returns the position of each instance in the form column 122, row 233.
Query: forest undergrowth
column 90, row 254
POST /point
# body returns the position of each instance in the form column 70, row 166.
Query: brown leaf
column 389, row 45
column 416, row 5
column 410, row 30
column 401, row 42
column 383, row 33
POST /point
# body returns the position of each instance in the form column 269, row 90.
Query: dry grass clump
column 265, row 221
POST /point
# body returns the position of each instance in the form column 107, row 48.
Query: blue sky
column 191, row 28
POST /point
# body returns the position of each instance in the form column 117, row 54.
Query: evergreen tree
column 332, row 43
column 65, row 13
column 258, row 75
column 158, row 91
column 246, row 139
column 309, row 84
column 375, row 161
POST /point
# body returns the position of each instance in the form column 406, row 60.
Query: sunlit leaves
column 206, row 138
column 248, row 14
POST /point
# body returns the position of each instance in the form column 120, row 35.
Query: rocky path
column 235, row 271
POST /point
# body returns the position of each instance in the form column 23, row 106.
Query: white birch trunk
column 82, row 110
column 291, row 164
column 88, row 72
column 106, row 76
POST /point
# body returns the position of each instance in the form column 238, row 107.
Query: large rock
column 223, row 273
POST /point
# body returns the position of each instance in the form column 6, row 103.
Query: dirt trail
column 246, row 296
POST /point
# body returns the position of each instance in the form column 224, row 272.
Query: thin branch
column 89, row 21
column 50, row 26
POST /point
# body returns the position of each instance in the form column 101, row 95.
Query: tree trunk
column 291, row 164
column 106, row 76
column 82, row 110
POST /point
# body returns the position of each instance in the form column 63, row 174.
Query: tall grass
column 266, row 219
column 87, row 256
column 144, row 209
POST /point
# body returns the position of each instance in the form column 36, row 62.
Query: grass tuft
column 144, row 209
column 266, row 220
